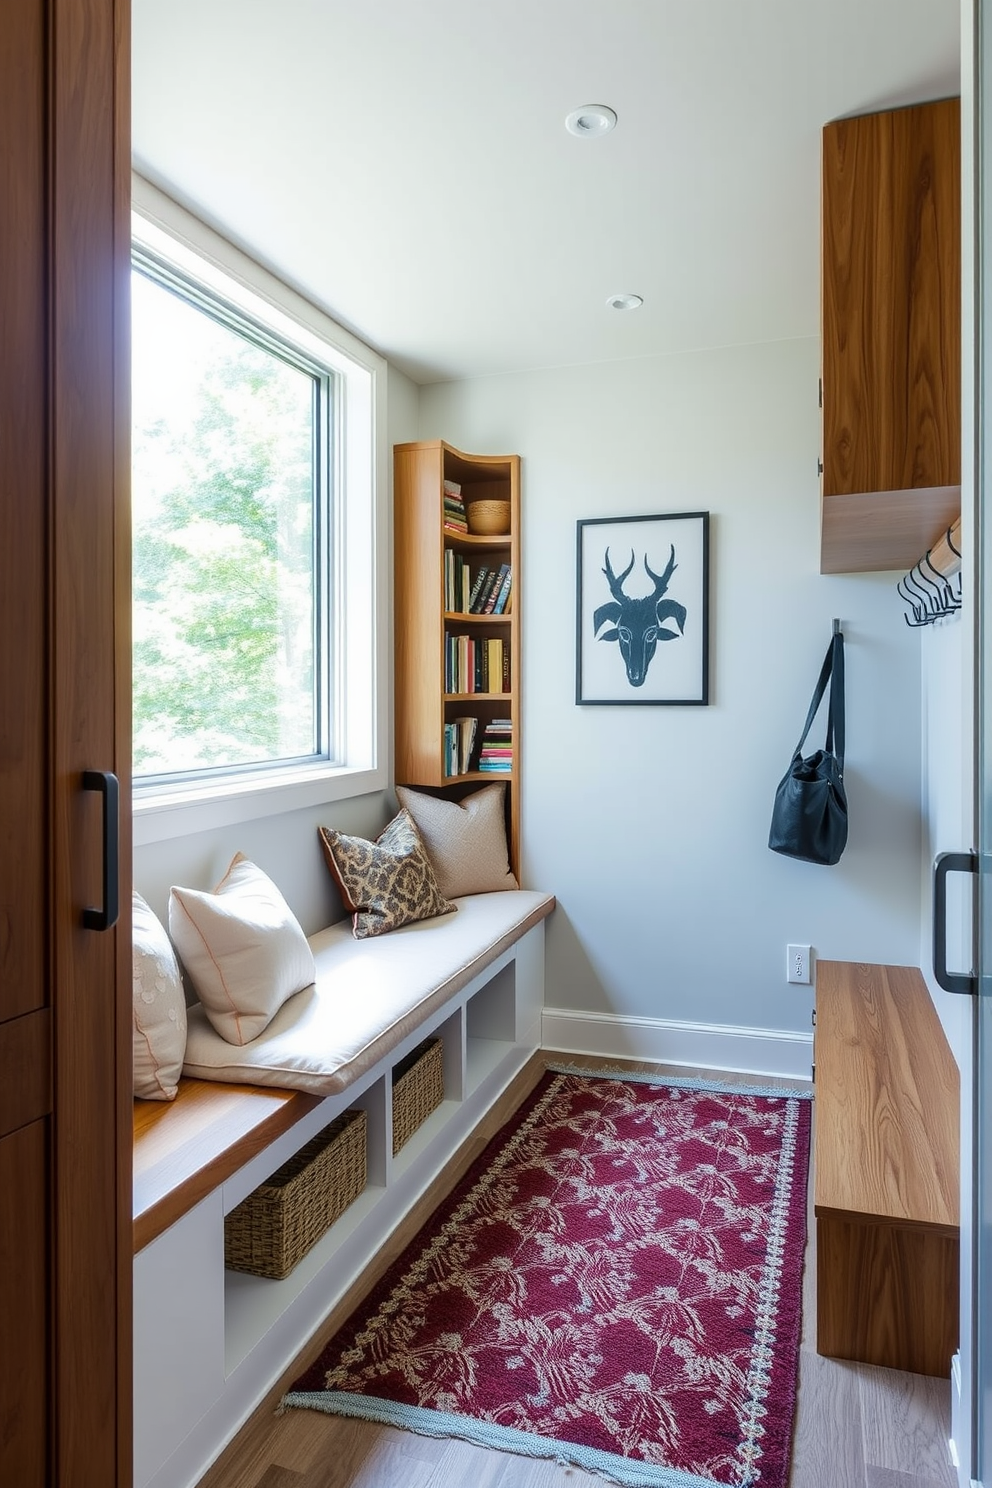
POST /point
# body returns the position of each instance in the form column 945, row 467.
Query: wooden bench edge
column 195, row 1157
column 881, row 1221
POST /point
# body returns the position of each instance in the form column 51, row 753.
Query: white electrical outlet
column 797, row 963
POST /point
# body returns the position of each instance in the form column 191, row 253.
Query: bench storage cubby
column 418, row 1089
column 273, row 1228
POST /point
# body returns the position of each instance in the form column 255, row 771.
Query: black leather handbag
column 809, row 818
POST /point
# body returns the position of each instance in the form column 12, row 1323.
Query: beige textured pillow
column 466, row 840
column 385, row 883
column 243, row 949
column 158, row 1008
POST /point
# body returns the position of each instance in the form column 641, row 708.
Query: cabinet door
column 65, row 1252
column 891, row 301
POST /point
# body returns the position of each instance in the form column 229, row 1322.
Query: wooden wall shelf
column 884, row 529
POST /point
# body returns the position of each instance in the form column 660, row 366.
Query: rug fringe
column 683, row 1082
column 623, row 1471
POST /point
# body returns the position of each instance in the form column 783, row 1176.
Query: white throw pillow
column 158, row 1008
column 243, row 949
column 465, row 840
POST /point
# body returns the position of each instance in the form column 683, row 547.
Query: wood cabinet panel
column 23, row 573
column 891, row 335
column 891, row 300
column 25, row 1070
column 65, row 1039
column 887, row 1295
column 25, row 1453
column 89, row 668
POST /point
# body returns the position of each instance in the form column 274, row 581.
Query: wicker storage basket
column 287, row 1214
column 488, row 518
column 418, row 1089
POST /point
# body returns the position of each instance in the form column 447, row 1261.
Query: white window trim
column 361, row 669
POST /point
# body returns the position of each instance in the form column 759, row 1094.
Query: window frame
column 355, row 657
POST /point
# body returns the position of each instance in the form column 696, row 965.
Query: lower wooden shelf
column 881, row 530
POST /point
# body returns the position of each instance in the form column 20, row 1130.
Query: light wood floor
column 856, row 1426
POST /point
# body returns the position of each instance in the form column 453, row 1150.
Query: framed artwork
column 642, row 602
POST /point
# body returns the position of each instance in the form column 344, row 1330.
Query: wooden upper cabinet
column 891, row 335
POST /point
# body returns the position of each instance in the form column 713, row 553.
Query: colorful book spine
column 495, row 588
column 503, row 597
column 496, row 753
column 482, row 579
column 454, row 507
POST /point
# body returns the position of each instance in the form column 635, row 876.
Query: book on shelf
column 496, row 659
column 492, row 594
column 481, row 580
column 454, row 507
column 467, row 728
column 475, row 664
column 502, row 598
column 496, row 753
column 458, row 583
column 486, row 591
column 458, row 742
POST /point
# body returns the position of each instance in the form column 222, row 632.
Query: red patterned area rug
column 616, row 1284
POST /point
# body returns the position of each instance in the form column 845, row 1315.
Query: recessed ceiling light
column 625, row 302
column 591, row 119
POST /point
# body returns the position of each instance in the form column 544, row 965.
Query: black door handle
column 107, row 784
column 960, row 862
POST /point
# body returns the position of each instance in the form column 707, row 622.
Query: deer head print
column 638, row 622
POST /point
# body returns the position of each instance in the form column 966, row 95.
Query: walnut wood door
column 891, row 293
column 65, row 1253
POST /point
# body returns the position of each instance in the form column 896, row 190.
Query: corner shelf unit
column 423, row 626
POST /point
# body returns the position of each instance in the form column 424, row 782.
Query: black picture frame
column 656, row 579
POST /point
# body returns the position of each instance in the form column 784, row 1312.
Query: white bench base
column 208, row 1343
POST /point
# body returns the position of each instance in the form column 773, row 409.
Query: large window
column 260, row 644
column 231, row 512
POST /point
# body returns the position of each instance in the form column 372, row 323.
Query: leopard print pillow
column 385, row 883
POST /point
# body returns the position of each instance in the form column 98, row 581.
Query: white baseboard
column 757, row 1051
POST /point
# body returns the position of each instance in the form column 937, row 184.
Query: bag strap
column 835, row 708
column 832, row 671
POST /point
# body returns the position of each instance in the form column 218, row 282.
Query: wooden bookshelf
column 422, row 623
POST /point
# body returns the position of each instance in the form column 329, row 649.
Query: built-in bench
column 886, row 1163
column 210, row 1342
column 184, row 1149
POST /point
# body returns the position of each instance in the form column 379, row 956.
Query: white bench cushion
column 369, row 994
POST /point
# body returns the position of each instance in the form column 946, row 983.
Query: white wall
column 651, row 824
column 285, row 847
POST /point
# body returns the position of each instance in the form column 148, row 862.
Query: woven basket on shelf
column 418, row 1089
column 488, row 518
column 287, row 1214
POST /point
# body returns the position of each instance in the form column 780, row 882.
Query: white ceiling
column 405, row 162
